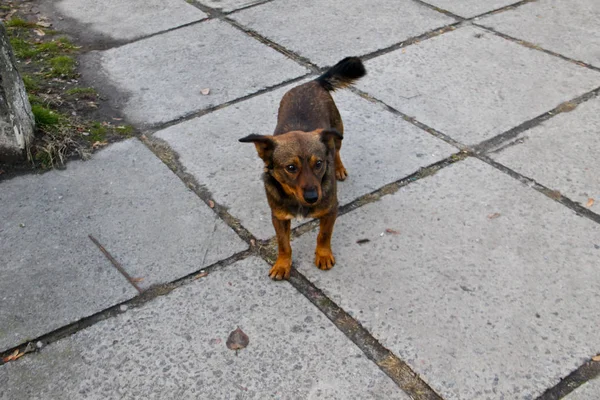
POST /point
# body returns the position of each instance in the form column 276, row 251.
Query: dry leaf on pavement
column 493, row 216
column 211, row 204
column 205, row 92
column 596, row 358
column 392, row 231
column 237, row 340
column 590, row 202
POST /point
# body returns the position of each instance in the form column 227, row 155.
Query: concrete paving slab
column 379, row 148
column 588, row 391
column 473, row 85
column 490, row 290
column 162, row 77
column 470, row 8
column 561, row 154
column 132, row 204
column 175, row 347
column 326, row 31
column 131, row 19
column 229, row 5
column 569, row 28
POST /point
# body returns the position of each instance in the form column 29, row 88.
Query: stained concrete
column 569, row 28
column 162, row 78
column 325, row 31
column 175, row 347
column 132, row 204
column 379, row 148
column 489, row 289
column 473, row 85
column 561, row 154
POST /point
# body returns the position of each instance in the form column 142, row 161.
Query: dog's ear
column 329, row 136
column 264, row 145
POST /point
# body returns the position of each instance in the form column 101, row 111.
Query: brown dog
column 302, row 161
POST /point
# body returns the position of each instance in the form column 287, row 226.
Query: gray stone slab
column 379, row 148
column 473, row 85
column 489, row 291
column 52, row 274
column 162, row 77
column 174, row 347
column 328, row 30
column 569, row 28
column 588, row 391
column 229, row 5
column 561, row 153
column 470, row 8
column 131, row 19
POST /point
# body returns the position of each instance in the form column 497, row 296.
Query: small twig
column 115, row 263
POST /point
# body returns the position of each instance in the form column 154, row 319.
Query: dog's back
column 310, row 106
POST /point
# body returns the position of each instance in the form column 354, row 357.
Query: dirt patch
column 72, row 120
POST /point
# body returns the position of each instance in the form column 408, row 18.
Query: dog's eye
column 291, row 168
column 318, row 164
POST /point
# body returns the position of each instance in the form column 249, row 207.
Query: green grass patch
column 56, row 46
column 32, row 84
column 97, row 132
column 125, row 130
column 23, row 49
column 17, row 22
column 62, row 66
column 83, row 92
column 44, row 117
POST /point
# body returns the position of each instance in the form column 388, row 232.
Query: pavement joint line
column 503, row 9
column 412, row 40
column 171, row 159
column 143, row 298
column 115, row 263
column 552, row 194
column 491, row 146
column 385, row 190
column 387, row 361
column 114, row 44
column 536, row 47
column 199, row 113
column 440, row 10
column 586, row 372
column 412, row 120
column 258, row 3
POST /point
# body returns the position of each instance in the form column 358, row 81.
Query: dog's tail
column 342, row 74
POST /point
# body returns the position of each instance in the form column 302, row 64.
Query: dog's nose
column 311, row 195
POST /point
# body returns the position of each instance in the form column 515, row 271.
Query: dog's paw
column 324, row 259
column 281, row 269
column 340, row 173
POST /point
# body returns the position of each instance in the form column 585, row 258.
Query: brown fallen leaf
column 590, row 202
column 596, row 358
column 362, row 241
column 205, row 92
column 392, row 231
column 252, row 242
column 493, row 216
column 200, row 275
column 137, row 280
column 237, row 340
column 567, row 107
column 39, row 32
column 211, row 204
column 12, row 357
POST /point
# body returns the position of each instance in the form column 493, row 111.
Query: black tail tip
column 351, row 67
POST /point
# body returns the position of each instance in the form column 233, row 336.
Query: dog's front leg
column 283, row 265
column 324, row 258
